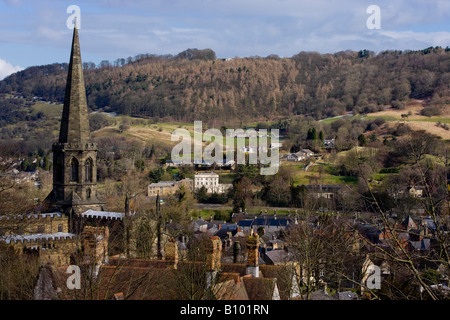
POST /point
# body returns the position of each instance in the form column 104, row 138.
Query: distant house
column 210, row 181
column 276, row 145
column 405, row 191
column 295, row 157
column 171, row 163
column 328, row 143
column 165, row 188
column 300, row 155
column 327, row 191
column 162, row 188
column 277, row 257
column 306, row 152
column 416, row 192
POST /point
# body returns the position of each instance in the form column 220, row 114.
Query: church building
column 73, row 216
column 75, row 155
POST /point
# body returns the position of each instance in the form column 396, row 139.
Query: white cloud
column 117, row 28
column 7, row 68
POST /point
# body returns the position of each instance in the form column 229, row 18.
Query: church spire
column 75, row 118
column 75, row 155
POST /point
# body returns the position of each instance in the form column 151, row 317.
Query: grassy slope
column 415, row 120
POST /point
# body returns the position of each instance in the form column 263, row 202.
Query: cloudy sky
column 36, row 33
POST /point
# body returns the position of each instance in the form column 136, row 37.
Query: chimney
column 252, row 255
column 214, row 253
column 236, row 251
column 213, row 257
column 172, row 252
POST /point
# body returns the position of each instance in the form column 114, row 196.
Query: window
column 59, row 169
column 60, row 228
column 88, row 165
column 40, row 229
column 88, row 193
column 74, row 170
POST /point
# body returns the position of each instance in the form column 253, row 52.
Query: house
column 166, row 188
column 210, row 181
column 295, row 157
column 162, row 188
column 329, row 191
column 171, row 163
column 300, row 155
column 407, row 191
column 306, row 152
column 277, row 145
column 415, row 191
column 275, row 257
column 328, row 143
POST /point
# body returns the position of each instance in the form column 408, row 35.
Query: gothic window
column 59, row 169
column 88, row 193
column 88, row 166
column 74, row 170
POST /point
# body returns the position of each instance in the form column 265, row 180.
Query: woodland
column 195, row 85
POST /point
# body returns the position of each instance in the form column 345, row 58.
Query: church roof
column 33, row 215
column 102, row 214
column 37, row 237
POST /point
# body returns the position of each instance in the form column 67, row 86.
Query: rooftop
column 102, row 214
column 37, row 237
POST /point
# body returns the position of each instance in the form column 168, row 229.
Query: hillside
column 412, row 115
column 197, row 86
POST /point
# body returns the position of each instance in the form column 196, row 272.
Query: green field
column 320, row 173
column 50, row 110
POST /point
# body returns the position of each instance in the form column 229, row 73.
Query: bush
column 398, row 104
column 431, row 111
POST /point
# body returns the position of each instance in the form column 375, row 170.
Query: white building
column 210, row 181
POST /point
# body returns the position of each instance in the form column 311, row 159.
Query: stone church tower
column 75, row 155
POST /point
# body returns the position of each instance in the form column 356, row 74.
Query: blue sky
column 35, row 32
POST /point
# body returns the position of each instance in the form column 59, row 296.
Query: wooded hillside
column 194, row 85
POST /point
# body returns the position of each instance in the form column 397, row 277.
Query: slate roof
column 409, row 223
column 265, row 221
column 429, row 223
column 259, row 288
column 33, row 215
column 421, row 245
column 102, row 214
column 37, row 237
column 245, row 223
column 277, row 256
